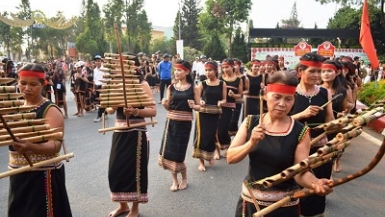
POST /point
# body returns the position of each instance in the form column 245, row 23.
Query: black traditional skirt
column 224, row 138
column 235, row 119
column 174, row 145
column 39, row 193
column 127, row 171
column 60, row 97
column 205, row 136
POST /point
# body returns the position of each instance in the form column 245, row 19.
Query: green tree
column 239, row 46
column 93, row 33
column 292, row 22
column 113, row 14
column 231, row 13
column 23, row 34
column 347, row 2
column 162, row 45
column 214, row 48
column 5, row 35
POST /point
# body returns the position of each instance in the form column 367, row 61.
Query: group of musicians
column 277, row 109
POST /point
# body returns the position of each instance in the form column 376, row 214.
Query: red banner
column 326, row 49
column 302, row 48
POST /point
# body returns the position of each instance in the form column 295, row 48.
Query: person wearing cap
column 40, row 192
column 98, row 76
column 201, row 71
column 164, row 70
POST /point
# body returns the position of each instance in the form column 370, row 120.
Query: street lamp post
column 179, row 4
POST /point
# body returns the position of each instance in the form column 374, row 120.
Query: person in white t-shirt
column 201, row 71
column 98, row 75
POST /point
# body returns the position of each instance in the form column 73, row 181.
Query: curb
column 377, row 125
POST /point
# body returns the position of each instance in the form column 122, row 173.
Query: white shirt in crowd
column 201, row 68
column 98, row 76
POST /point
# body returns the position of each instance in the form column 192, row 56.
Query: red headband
column 281, row 88
column 180, row 66
column 269, row 62
column 255, row 63
column 35, row 74
column 329, row 66
column 211, row 66
column 310, row 63
column 226, row 64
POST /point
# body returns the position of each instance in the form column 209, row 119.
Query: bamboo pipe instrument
column 138, row 97
column 11, row 103
column 122, row 104
column 330, row 101
column 117, row 71
column 9, row 96
column 26, row 129
column 120, row 76
column 120, row 94
column 15, row 117
column 117, row 66
column 119, row 81
column 14, row 139
column 328, row 149
column 23, row 123
column 36, row 165
column 41, row 138
column 127, row 127
column 114, row 61
column 349, row 135
column 5, row 111
column 307, row 192
column 29, row 134
column 367, row 118
column 6, row 80
column 119, row 55
column 317, row 139
column 7, row 89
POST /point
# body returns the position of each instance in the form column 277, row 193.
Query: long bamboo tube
column 120, row 76
column 127, row 127
column 5, row 111
column 36, row 165
column 117, row 71
column 119, row 81
column 23, row 123
column 15, row 117
column 114, row 94
column 117, row 55
column 115, row 61
column 328, row 149
column 367, row 118
column 138, row 97
column 7, row 89
column 41, row 138
column 317, row 139
column 26, row 129
column 9, row 96
column 349, row 135
column 6, row 80
column 29, row 134
column 122, row 104
column 11, row 103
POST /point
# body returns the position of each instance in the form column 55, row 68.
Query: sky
column 264, row 13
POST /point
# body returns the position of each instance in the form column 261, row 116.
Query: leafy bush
column 372, row 92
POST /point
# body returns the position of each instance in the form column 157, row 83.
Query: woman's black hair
column 339, row 84
column 285, row 78
column 35, row 68
column 229, row 61
column 215, row 64
column 313, row 57
column 187, row 65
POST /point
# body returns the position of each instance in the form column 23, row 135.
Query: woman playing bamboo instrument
column 182, row 97
column 127, row 171
column 312, row 107
column 213, row 92
column 273, row 143
column 41, row 192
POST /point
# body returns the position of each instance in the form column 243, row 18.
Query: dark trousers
column 100, row 110
column 163, row 84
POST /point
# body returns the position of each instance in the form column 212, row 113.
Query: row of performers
column 274, row 141
column 272, row 146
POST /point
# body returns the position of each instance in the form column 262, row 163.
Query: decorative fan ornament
column 38, row 17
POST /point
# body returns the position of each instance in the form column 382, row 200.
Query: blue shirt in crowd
column 164, row 69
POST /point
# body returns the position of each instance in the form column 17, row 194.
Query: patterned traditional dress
column 127, row 171
column 251, row 105
column 271, row 156
column 177, row 131
column 206, row 122
column 38, row 193
column 227, row 113
column 237, row 111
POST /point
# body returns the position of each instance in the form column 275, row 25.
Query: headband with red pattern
column 180, row 66
column 35, row 74
column 281, row 88
column 329, row 66
column 310, row 63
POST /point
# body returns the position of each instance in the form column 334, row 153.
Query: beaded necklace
column 308, row 96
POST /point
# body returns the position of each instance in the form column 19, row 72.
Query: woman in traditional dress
column 88, row 97
column 128, row 164
column 273, row 143
column 182, row 97
column 59, row 79
column 238, row 101
column 251, row 98
column 213, row 93
column 307, row 109
column 80, row 89
column 234, row 90
column 41, row 192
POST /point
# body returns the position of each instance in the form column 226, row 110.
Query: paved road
column 212, row 193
